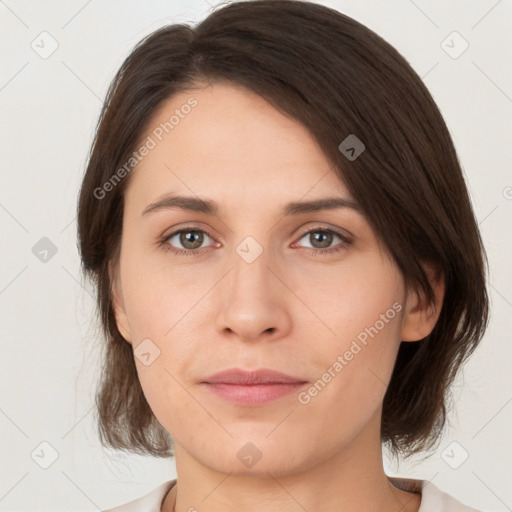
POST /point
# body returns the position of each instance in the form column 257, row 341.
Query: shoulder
column 432, row 498
column 151, row 502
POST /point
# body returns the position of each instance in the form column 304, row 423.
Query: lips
column 252, row 388
column 243, row 377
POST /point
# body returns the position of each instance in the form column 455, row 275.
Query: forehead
column 224, row 138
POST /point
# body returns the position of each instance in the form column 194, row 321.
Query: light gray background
column 49, row 364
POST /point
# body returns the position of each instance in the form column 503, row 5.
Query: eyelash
column 193, row 252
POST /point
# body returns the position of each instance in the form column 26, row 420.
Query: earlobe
column 421, row 315
column 118, row 306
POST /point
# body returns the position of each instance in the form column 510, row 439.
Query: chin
column 257, row 456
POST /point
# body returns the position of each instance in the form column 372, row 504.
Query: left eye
column 322, row 238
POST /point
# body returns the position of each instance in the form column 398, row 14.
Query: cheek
column 171, row 402
column 360, row 298
column 352, row 372
column 360, row 312
column 159, row 296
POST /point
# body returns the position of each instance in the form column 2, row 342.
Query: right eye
column 191, row 239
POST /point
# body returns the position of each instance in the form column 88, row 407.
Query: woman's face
column 307, row 293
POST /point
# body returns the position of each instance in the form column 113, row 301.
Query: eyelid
column 177, row 230
column 191, row 227
column 322, row 226
column 345, row 236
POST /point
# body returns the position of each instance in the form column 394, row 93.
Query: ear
column 118, row 303
column 420, row 315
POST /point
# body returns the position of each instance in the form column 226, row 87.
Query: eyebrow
column 195, row 204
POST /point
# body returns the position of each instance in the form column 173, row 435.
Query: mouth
column 252, row 388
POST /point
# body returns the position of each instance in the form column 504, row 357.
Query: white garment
column 432, row 498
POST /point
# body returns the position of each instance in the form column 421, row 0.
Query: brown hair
column 336, row 77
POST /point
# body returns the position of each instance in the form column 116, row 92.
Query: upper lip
column 244, row 377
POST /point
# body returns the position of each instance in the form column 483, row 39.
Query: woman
column 288, row 266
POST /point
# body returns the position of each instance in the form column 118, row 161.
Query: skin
column 289, row 310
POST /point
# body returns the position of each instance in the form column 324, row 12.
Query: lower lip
column 255, row 394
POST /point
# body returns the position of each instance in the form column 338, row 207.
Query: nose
column 253, row 301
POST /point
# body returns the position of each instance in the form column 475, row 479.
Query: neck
column 351, row 479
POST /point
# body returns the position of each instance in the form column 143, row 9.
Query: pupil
column 188, row 237
column 327, row 238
